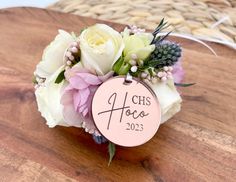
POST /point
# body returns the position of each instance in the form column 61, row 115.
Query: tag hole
column 127, row 82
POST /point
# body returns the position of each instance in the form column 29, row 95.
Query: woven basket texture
column 201, row 18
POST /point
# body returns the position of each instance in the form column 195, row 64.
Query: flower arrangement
column 73, row 68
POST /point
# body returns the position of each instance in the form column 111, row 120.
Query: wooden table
column 198, row 144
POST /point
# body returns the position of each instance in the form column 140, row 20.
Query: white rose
column 101, row 46
column 48, row 100
column 169, row 98
column 53, row 54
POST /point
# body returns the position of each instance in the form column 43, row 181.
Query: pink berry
column 68, row 63
column 154, row 79
column 74, row 49
column 134, row 69
column 165, row 68
column 74, row 44
column 163, row 79
column 71, row 58
column 142, row 30
column 65, row 58
column 144, row 75
column 132, row 62
column 135, row 31
column 160, row 74
column 134, row 56
column 68, row 54
column 36, row 86
column 170, row 68
column 169, row 73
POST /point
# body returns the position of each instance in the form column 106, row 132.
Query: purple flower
column 77, row 97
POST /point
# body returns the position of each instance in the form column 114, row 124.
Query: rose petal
column 169, row 98
column 82, row 108
column 68, row 88
column 71, row 117
column 76, row 99
column 78, row 82
column 85, row 112
column 106, row 76
column 66, row 98
column 75, row 69
column 84, row 94
column 89, row 78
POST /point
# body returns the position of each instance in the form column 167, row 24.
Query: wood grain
column 198, row 144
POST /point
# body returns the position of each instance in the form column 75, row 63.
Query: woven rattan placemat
column 202, row 18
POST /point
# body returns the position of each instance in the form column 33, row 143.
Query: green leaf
column 161, row 38
column 83, row 29
column 34, row 80
column 118, row 64
column 112, row 151
column 184, row 84
column 121, row 67
column 162, row 25
column 124, row 69
column 60, row 77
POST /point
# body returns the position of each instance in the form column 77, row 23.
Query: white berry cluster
column 39, row 81
column 135, row 62
column 152, row 75
column 166, row 73
column 134, row 29
column 163, row 75
column 70, row 54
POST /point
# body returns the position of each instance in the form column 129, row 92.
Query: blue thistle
column 166, row 53
column 99, row 139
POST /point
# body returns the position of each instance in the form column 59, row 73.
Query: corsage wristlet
column 119, row 87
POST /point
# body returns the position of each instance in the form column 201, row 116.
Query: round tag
column 127, row 114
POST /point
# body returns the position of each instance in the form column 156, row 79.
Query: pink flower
column 178, row 72
column 77, row 97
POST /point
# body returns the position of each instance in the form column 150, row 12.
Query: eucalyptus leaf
column 112, row 151
column 162, row 25
column 60, row 77
column 184, row 84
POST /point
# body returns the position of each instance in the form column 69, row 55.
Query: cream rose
column 138, row 44
column 169, row 98
column 52, row 58
column 101, row 46
column 48, row 100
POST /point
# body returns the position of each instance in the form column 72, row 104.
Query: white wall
column 34, row 3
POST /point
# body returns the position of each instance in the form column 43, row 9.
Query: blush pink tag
column 127, row 114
